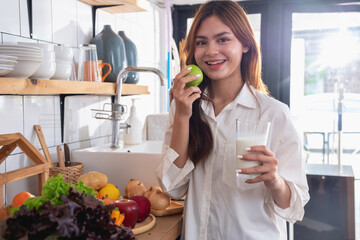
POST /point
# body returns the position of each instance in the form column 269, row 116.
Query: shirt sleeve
column 173, row 180
column 289, row 152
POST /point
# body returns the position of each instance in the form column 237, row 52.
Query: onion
column 159, row 200
column 135, row 188
column 152, row 189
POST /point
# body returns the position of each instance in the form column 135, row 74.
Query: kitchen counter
column 166, row 228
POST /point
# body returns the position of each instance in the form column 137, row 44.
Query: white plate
column 9, row 62
column 4, row 71
column 17, row 52
column 21, row 50
column 8, row 57
column 24, row 55
column 2, row 65
column 20, row 47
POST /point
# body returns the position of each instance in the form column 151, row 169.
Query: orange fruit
column 20, row 198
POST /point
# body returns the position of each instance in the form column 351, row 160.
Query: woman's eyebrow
column 216, row 35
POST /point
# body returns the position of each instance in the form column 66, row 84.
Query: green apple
column 194, row 70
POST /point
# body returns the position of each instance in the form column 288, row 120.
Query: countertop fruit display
column 64, row 210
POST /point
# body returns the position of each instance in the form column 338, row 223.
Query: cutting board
column 145, row 225
column 174, row 208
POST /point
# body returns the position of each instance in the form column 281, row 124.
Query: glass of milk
column 249, row 133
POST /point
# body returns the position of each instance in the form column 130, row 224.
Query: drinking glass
column 88, row 64
column 249, row 133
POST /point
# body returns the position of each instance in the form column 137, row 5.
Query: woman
column 199, row 144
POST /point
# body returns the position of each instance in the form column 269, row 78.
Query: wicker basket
column 70, row 174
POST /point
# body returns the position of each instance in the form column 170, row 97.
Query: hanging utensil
column 60, row 156
column 67, row 155
column 43, row 144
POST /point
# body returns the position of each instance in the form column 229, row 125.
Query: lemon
column 110, row 191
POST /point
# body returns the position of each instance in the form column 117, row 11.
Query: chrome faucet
column 117, row 110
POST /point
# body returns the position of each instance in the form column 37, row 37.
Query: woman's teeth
column 216, row 62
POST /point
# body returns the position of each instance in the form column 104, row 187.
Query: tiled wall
column 69, row 22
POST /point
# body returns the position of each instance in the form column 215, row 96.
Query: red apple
column 144, row 207
column 131, row 211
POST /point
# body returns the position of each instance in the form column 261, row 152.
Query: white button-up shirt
column 219, row 204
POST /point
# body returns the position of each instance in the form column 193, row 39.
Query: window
column 325, row 82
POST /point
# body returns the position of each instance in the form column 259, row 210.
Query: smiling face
column 217, row 50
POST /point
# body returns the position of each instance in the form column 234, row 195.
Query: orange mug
column 101, row 66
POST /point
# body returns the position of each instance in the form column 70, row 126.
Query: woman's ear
column 245, row 49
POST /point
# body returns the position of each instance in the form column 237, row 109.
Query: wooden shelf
column 120, row 6
column 20, row 86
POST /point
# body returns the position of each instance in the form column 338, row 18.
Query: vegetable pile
column 65, row 211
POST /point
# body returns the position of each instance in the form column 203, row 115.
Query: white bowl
column 8, row 57
column 4, row 71
column 45, row 71
column 63, row 71
column 24, row 69
column 49, row 56
column 64, row 52
column 46, row 47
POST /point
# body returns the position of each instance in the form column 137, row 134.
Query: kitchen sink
column 122, row 164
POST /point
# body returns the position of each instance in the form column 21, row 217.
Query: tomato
column 106, row 201
column 20, row 198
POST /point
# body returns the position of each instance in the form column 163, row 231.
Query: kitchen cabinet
column 19, row 86
column 330, row 213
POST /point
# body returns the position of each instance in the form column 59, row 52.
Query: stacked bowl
column 7, row 64
column 48, row 65
column 64, row 62
column 28, row 60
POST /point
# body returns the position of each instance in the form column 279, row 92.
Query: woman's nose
column 212, row 49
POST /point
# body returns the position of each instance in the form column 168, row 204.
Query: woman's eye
column 199, row 43
column 222, row 40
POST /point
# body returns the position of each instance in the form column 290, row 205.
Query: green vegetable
column 52, row 191
column 81, row 216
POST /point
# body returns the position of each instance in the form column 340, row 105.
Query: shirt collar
column 244, row 98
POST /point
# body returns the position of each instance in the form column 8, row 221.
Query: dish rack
column 114, row 112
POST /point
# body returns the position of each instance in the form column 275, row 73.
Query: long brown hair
column 231, row 14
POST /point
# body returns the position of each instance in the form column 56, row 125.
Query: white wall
column 69, row 22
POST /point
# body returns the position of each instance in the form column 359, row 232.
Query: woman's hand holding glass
column 268, row 168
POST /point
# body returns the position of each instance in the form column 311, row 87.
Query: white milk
column 245, row 142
